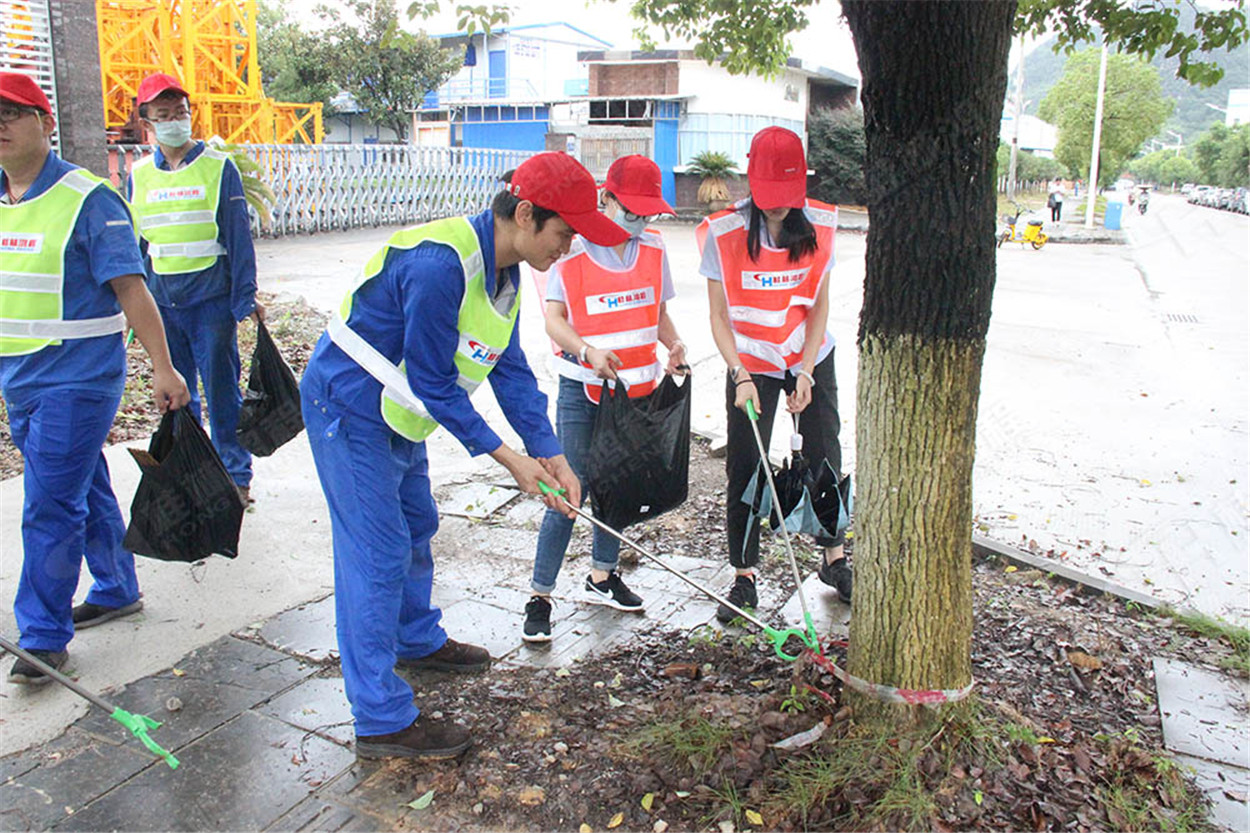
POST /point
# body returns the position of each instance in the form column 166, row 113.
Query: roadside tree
column 835, row 151
column 386, row 70
column 934, row 80
column 294, row 63
column 1134, row 111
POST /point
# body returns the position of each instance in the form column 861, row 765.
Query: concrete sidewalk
column 1091, row 446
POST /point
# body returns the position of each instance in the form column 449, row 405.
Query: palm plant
column 255, row 190
column 715, row 168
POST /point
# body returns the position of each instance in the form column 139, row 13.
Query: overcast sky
column 825, row 42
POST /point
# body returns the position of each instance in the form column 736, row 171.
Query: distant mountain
column 1191, row 117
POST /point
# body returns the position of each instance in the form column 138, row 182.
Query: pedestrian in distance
column 71, row 275
column 432, row 317
column 197, row 240
column 1055, row 201
column 606, row 311
column 767, row 262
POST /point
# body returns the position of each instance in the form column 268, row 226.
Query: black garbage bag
column 639, row 460
column 186, row 507
column 270, row 415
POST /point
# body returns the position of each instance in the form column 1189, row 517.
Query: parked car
column 1186, row 189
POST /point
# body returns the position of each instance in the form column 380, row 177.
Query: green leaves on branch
column 747, row 35
column 1143, row 28
column 255, row 190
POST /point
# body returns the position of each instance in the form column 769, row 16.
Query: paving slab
column 306, row 631
column 241, row 776
column 830, row 615
column 475, row 500
column 1204, row 713
column 376, row 789
column 1227, row 787
column 316, row 705
column 318, row 814
column 62, row 776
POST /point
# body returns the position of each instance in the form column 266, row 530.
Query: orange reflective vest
column 769, row 299
column 617, row 311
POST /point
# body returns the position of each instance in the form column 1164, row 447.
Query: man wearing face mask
column 196, row 235
column 605, row 312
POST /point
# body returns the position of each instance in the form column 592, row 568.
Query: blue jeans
column 575, row 421
column 203, row 344
column 69, row 512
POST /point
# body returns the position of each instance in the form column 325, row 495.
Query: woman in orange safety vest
column 605, row 313
column 767, row 260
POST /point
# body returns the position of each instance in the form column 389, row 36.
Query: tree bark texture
column 934, row 79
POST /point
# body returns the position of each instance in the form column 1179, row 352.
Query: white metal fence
column 338, row 187
column 26, row 47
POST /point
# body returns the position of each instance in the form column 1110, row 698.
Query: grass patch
column 1235, row 637
column 881, row 776
column 693, row 743
column 1142, row 791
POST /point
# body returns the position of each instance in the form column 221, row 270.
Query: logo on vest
column 788, row 279
column 24, row 244
column 185, row 192
column 617, row 301
column 479, row 353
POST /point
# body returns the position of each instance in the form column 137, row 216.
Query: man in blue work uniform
column 432, row 316
column 70, row 270
column 189, row 205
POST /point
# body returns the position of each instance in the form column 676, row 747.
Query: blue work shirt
column 411, row 310
column 234, row 273
column 102, row 246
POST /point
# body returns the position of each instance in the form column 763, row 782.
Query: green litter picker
column 777, row 637
column 138, row 724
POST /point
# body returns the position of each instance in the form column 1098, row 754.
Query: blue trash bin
column 1111, row 217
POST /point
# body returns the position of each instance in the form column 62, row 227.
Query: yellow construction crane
column 210, row 45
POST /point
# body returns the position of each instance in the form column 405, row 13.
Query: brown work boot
column 426, row 738
column 453, row 656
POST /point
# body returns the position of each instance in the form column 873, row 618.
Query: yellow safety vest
column 177, row 212
column 34, row 235
column 484, row 330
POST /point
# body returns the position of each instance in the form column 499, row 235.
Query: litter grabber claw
column 138, row 724
column 775, row 636
column 810, row 639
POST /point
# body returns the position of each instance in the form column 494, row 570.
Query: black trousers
column 819, row 425
column 1056, row 212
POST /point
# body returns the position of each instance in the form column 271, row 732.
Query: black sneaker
column 426, row 738
column 837, row 574
column 611, row 592
column 87, row 615
column 742, row 594
column 27, row 673
column 537, row 620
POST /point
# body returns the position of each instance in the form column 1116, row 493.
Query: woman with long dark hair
column 767, row 261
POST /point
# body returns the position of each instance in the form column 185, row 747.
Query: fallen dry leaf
column 616, row 821
column 647, row 801
column 532, row 796
column 1083, row 660
column 755, row 818
column 585, row 828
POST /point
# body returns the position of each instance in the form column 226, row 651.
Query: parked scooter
column 1032, row 231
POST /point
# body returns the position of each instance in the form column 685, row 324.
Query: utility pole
column 1015, row 133
column 1093, row 155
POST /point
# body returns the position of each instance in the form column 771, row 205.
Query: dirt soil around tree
column 678, row 730
column 294, row 325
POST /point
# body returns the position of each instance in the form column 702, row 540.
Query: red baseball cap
column 155, row 84
column 777, row 169
column 559, row 182
column 635, row 182
column 22, row 89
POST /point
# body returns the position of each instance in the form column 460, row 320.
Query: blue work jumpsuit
column 377, row 483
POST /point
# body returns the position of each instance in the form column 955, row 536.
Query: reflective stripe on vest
column 177, row 212
column 617, row 310
column 484, row 330
column 34, row 236
column 768, row 298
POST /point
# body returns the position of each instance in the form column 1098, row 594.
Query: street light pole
column 1015, row 133
column 1093, row 156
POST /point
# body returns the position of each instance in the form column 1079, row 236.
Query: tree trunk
column 934, row 79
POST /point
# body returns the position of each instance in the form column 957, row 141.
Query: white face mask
column 173, row 134
column 634, row 226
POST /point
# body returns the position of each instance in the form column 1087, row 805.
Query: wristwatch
column 734, row 371
column 582, row 355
